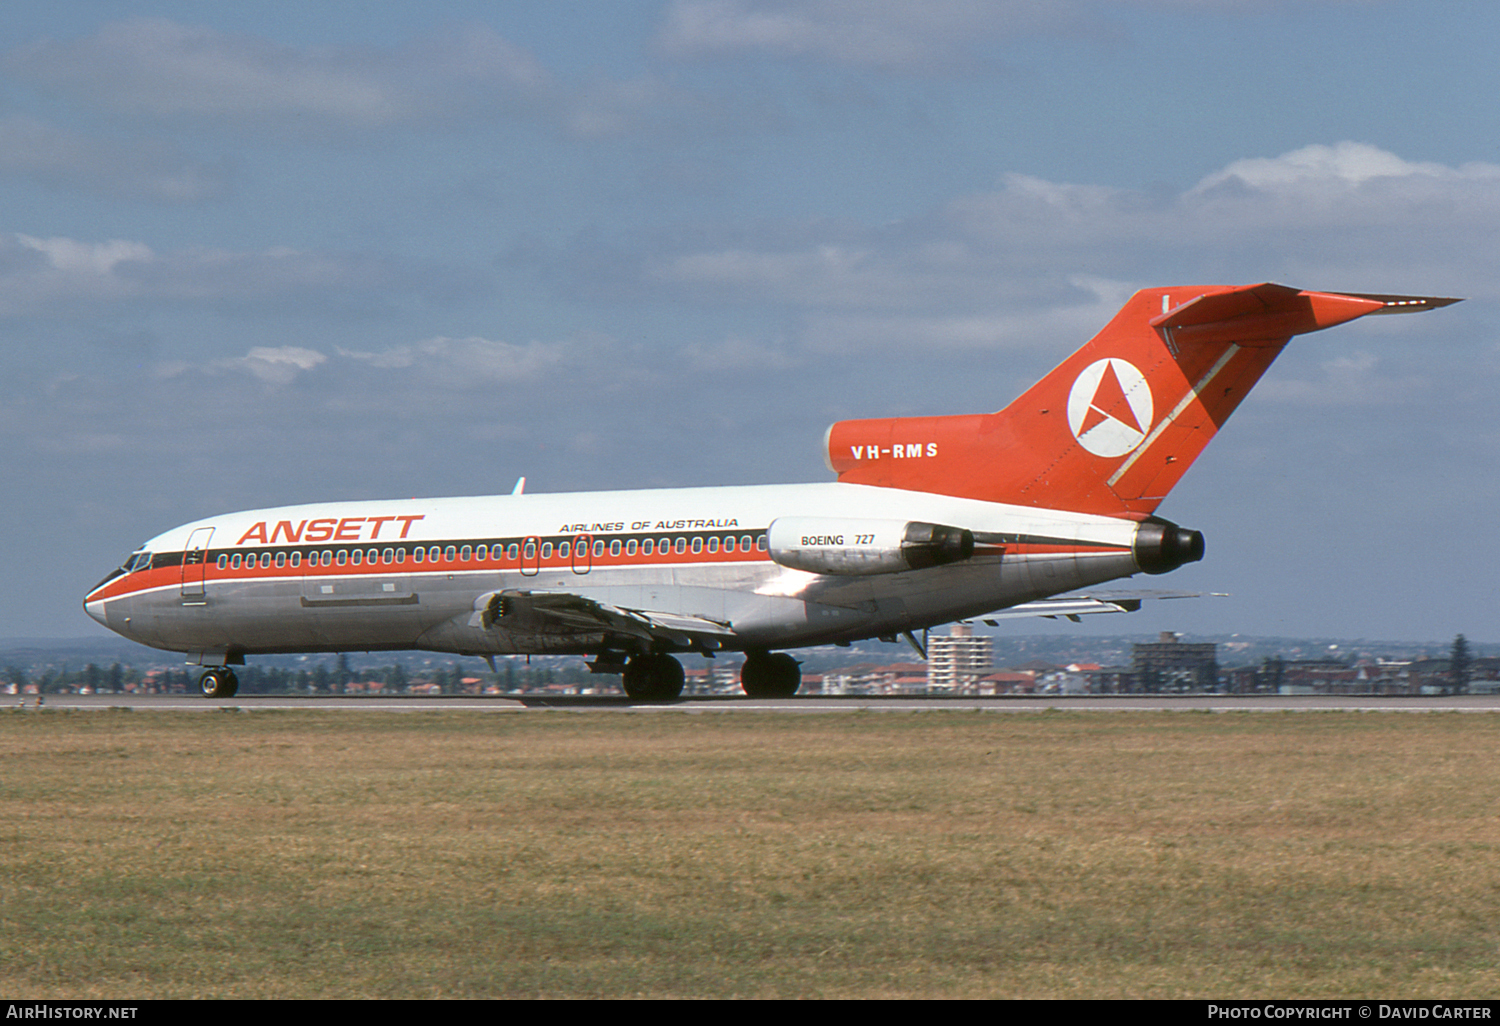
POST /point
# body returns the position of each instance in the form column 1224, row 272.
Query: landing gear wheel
column 771, row 675
column 652, row 678
column 218, row 683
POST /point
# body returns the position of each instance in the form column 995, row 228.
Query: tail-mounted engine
column 1162, row 546
column 854, row 546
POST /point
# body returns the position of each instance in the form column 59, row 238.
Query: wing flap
column 525, row 609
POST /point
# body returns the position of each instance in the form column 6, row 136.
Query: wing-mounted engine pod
column 856, row 546
column 1161, row 546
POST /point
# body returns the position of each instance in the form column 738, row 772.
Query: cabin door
column 195, row 565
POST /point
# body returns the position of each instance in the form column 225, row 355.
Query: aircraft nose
column 96, row 610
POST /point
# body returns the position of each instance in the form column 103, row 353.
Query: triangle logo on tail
column 1110, row 407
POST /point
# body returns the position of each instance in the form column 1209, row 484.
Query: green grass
column 311, row 854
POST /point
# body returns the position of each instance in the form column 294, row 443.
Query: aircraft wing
column 527, row 609
column 1078, row 604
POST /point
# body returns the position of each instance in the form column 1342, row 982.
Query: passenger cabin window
column 646, row 546
column 356, row 557
column 681, row 546
column 614, row 547
column 388, row 555
column 729, row 544
column 465, row 554
column 512, row 551
column 482, row 553
column 434, row 554
column 223, row 561
column 235, row 560
column 281, row 559
column 418, row 555
column 630, row 547
column 296, row 559
column 342, row 557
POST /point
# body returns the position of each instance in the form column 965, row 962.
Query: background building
column 1170, row 665
column 956, row 661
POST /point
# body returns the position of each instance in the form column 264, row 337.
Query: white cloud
column 1357, row 379
column 909, row 35
column 1345, row 187
column 37, row 274
column 1343, row 164
column 66, row 277
column 94, row 258
column 163, row 70
column 737, row 355
column 444, row 363
column 1344, row 216
column 134, row 170
column 275, row 366
column 1071, row 320
column 819, row 275
column 468, row 362
column 888, row 33
column 160, row 68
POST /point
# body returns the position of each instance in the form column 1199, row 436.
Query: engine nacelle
column 856, row 546
column 1161, row 546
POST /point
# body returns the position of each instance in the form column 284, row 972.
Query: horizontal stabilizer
column 1083, row 604
column 1271, row 314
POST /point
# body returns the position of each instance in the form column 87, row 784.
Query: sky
column 264, row 253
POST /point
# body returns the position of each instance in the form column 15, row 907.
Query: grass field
column 935, row 854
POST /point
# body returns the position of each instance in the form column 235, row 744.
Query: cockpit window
column 136, row 561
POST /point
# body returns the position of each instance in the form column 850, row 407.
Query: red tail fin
column 1115, row 426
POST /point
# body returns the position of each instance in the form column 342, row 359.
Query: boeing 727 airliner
column 931, row 520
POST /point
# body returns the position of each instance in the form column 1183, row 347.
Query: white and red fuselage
column 406, row 574
column 932, row 519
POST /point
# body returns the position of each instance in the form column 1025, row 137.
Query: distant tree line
column 322, row 679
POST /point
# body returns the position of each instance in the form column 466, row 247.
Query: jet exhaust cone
column 1161, row 546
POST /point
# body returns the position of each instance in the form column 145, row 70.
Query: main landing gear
column 658, row 678
column 652, row 678
column 218, row 682
column 770, row 675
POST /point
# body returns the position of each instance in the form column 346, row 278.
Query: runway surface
column 807, row 704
